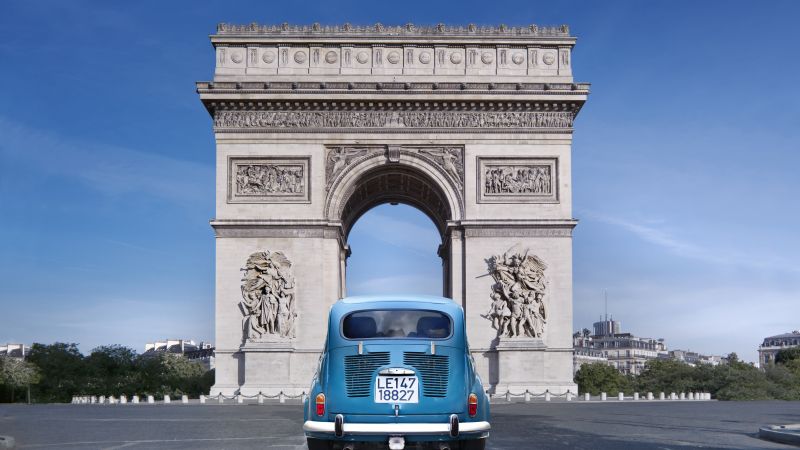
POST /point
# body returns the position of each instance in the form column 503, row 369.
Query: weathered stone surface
column 315, row 125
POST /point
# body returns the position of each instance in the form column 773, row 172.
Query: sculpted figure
column 268, row 296
column 517, row 296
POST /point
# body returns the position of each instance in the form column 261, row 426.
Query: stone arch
column 405, row 175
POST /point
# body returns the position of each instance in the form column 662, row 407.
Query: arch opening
column 397, row 184
column 394, row 251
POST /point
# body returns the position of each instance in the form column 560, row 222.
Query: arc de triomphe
column 315, row 125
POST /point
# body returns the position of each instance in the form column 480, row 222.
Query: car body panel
column 348, row 369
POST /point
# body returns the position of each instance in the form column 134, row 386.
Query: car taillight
column 320, row 404
column 472, row 405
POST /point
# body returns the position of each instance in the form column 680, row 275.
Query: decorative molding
column 337, row 120
column 517, row 180
column 269, row 180
column 518, row 307
column 378, row 29
column 519, row 232
column 249, row 87
column 268, row 300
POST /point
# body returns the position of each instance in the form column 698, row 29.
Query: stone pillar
column 649, row 395
column 636, row 396
column 587, row 396
column 621, row 396
column 151, row 400
column 184, row 399
column 202, row 399
column 603, row 396
column 166, row 399
column 123, row 399
column 135, row 399
column 661, row 396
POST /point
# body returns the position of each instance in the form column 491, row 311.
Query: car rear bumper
column 391, row 429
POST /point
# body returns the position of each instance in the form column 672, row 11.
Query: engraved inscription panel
column 517, row 180
column 268, row 180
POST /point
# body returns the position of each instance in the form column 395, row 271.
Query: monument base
column 517, row 365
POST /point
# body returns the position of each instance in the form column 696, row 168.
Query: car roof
column 356, row 303
column 396, row 298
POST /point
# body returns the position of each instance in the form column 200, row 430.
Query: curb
column 6, row 442
column 785, row 434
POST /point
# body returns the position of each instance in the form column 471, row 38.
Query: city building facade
column 14, row 350
column 773, row 344
column 202, row 353
column 623, row 351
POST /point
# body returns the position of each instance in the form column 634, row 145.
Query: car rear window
column 396, row 324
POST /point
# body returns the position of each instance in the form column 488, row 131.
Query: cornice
column 409, row 30
column 389, row 88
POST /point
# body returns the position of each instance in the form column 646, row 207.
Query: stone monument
column 315, row 125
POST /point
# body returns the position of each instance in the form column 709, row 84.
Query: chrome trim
column 392, row 371
column 312, row 426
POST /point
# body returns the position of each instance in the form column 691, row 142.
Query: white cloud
column 655, row 233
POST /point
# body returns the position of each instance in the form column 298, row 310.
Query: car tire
column 473, row 444
column 318, row 444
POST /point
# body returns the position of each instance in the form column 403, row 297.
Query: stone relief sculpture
column 393, row 119
column 340, row 157
column 528, row 179
column 517, row 307
column 450, row 159
column 268, row 300
column 265, row 179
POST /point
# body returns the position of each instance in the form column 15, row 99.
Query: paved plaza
column 612, row 425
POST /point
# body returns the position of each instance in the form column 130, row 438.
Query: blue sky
column 685, row 167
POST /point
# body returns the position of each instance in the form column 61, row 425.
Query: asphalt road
column 611, row 425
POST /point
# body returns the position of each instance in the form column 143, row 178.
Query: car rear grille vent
column 359, row 371
column 435, row 371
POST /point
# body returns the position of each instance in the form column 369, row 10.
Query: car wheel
column 318, row 444
column 473, row 444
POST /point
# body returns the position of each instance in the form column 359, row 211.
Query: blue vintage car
column 396, row 371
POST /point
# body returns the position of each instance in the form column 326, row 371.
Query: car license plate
column 389, row 389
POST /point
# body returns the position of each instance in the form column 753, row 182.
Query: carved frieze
column 518, row 295
column 339, row 158
column 517, row 180
column 268, row 180
column 268, row 299
column 337, row 120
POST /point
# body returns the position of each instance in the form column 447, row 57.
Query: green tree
column 170, row 374
column 787, row 354
column 667, row 375
column 111, row 370
column 16, row 374
column 598, row 377
column 63, row 372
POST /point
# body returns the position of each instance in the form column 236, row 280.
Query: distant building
column 694, row 358
column 14, row 350
column 773, row 344
column 202, row 352
column 583, row 351
column 624, row 351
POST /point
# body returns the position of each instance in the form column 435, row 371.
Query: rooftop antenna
column 605, row 294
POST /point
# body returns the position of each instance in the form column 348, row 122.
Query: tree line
column 57, row 372
column 736, row 380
